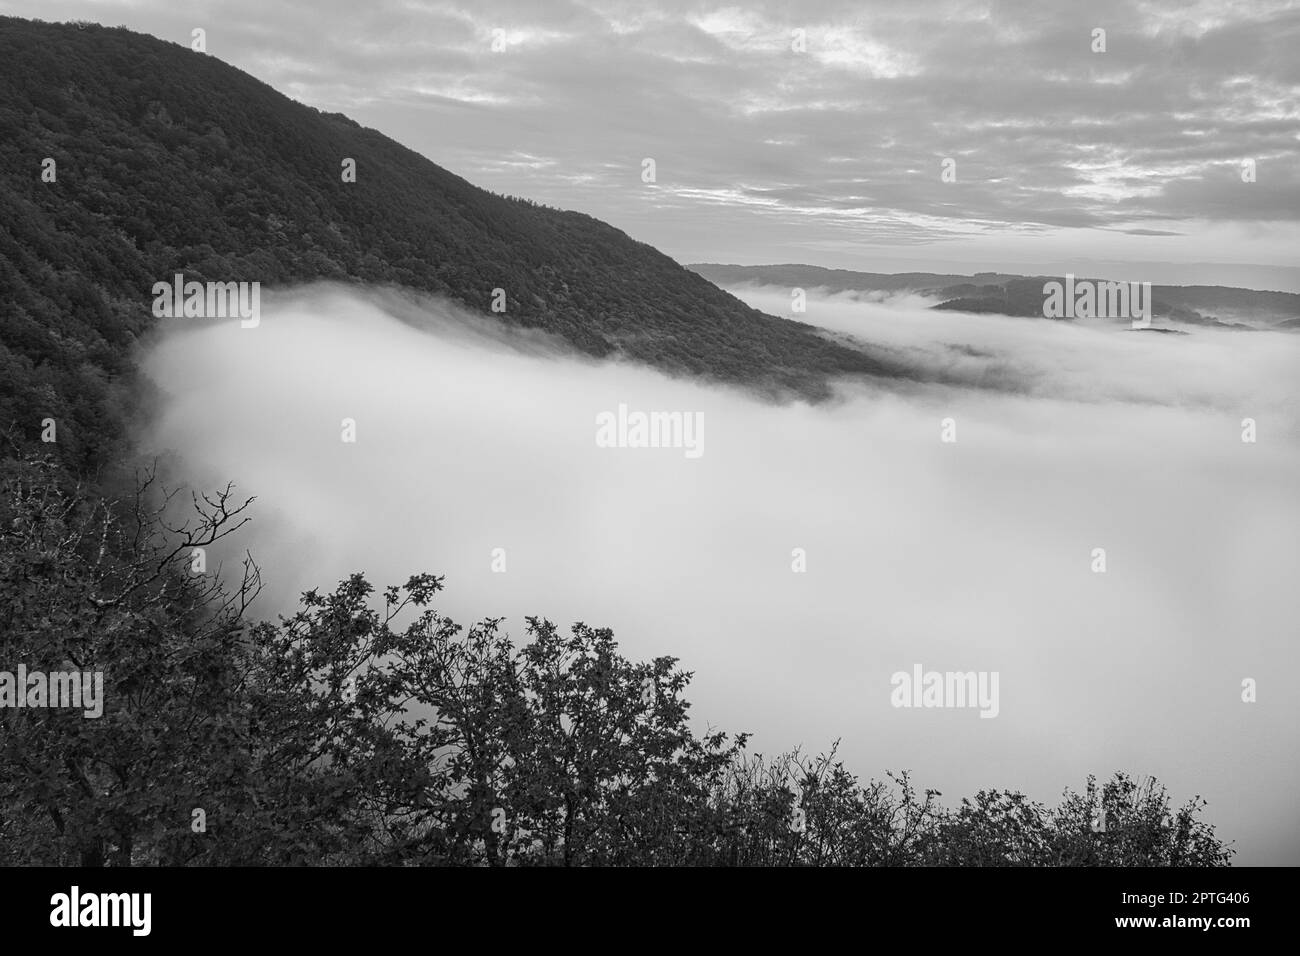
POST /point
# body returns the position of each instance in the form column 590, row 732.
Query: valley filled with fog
column 971, row 555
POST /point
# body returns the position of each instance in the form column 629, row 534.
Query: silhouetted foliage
column 369, row 729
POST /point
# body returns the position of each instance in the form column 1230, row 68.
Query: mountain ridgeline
column 170, row 161
column 1016, row 295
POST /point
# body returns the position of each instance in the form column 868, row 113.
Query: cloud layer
column 967, row 556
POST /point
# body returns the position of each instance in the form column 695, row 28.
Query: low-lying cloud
column 974, row 555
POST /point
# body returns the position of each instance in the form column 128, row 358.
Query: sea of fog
column 974, row 555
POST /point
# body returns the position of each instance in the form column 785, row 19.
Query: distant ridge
column 1008, row 294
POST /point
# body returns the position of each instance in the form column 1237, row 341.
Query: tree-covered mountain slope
column 167, row 160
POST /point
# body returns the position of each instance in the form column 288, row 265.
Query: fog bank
column 974, row 555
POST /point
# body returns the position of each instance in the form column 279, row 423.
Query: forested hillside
column 168, row 161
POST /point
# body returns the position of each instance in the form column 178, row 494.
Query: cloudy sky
column 831, row 154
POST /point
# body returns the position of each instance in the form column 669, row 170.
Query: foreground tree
column 102, row 586
column 368, row 729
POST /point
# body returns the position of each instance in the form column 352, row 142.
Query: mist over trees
column 366, row 728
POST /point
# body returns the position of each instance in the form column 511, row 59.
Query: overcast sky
column 831, row 155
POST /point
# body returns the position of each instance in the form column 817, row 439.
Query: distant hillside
column 172, row 161
column 1016, row 295
column 834, row 280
